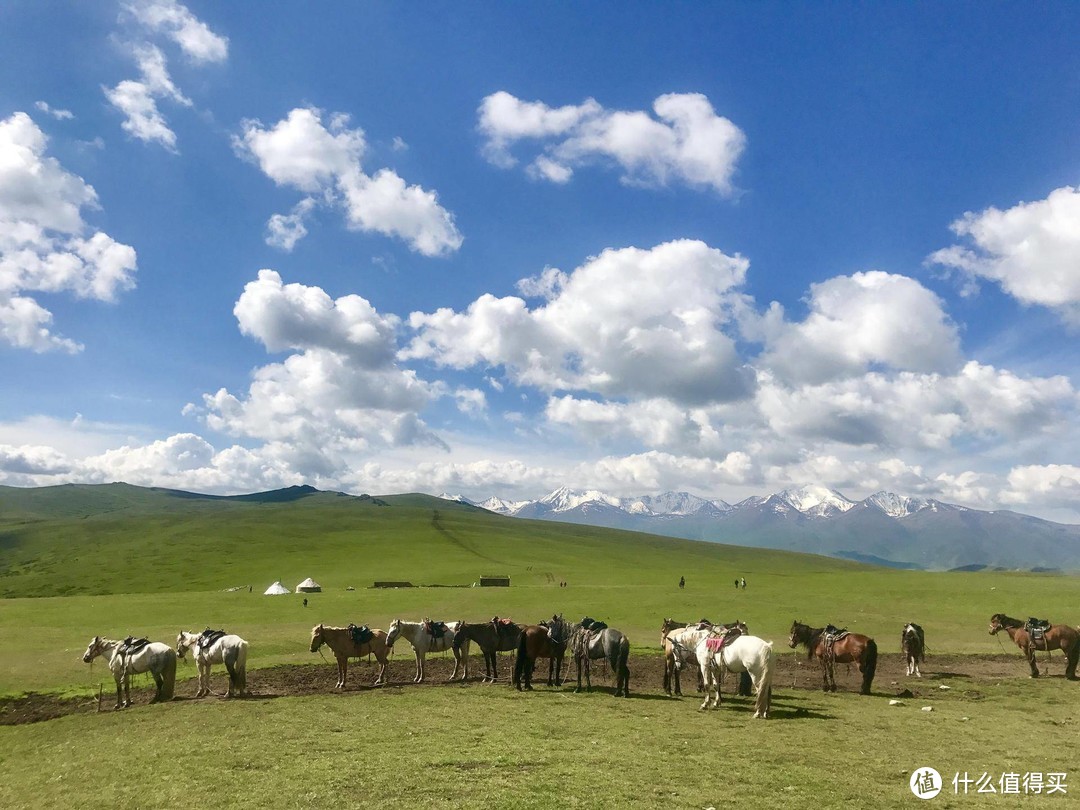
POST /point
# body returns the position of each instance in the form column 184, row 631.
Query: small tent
column 276, row 589
column 309, row 586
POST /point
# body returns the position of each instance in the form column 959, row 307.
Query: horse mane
column 1007, row 621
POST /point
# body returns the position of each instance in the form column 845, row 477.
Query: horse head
column 799, row 634
column 393, row 632
column 317, row 637
column 93, row 650
column 997, row 622
column 183, row 644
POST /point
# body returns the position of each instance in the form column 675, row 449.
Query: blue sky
column 497, row 249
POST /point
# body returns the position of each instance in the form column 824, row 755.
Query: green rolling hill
column 117, row 538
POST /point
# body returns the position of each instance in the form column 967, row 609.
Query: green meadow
column 82, row 561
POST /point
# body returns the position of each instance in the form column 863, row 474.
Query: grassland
column 119, row 560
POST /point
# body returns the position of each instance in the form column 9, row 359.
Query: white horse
column 423, row 642
column 742, row 654
column 229, row 650
column 156, row 658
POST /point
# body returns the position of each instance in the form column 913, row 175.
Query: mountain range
column 885, row 528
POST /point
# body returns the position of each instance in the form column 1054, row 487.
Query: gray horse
column 590, row 641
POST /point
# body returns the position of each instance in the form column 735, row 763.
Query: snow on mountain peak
column 564, row 499
column 899, row 505
column 815, row 500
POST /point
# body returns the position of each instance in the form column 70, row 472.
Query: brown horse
column 1056, row 637
column 849, row 648
column 546, row 640
column 492, row 637
column 340, row 641
column 672, row 667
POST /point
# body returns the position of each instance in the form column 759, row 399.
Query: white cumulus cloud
column 859, row 322
column 629, row 322
column 1032, row 250
column 686, row 142
column 44, row 246
column 302, row 152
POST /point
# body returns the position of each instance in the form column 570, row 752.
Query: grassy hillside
column 121, row 539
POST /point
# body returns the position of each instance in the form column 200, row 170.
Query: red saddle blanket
column 715, row 644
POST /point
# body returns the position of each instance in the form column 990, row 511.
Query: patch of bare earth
column 961, row 672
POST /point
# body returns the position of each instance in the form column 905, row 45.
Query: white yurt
column 309, row 586
column 276, row 589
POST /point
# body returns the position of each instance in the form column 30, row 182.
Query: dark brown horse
column 1056, row 637
column 672, row 667
column 340, row 641
column 546, row 640
column 848, row 648
column 492, row 638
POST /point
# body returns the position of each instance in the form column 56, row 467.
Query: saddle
column 593, row 625
column 715, row 644
column 132, row 645
column 704, row 624
column 208, row 637
column 832, row 632
column 360, row 635
column 1036, row 628
column 435, row 629
column 497, row 622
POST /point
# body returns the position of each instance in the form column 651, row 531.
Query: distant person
column 305, row 601
column 736, row 583
column 249, row 589
column 744, row 583
column 682, row 582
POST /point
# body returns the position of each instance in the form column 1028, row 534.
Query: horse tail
column 764, row 687
column 869, row 665
column 241, row 666
column 622, row 674
column 520, row 660
column 168, row 676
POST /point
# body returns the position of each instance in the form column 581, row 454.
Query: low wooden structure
column 495, row 582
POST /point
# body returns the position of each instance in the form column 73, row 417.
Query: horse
column 230, row 650
column 745, row 655
column 341, row 643
column 850, row 647
column 608, row 643
column 154, row 657
column 544, row 640
column 675, row 656
column 492, row 637
column 423, row 640
column 1056, row 637
column 913, row 646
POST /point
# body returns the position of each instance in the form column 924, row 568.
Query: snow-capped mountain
column 884, row 528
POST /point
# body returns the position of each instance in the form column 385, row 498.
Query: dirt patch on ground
column 960, row 672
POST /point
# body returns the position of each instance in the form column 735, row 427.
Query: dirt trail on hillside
column 962, row 673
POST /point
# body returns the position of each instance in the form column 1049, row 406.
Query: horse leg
column 159, row 682
column 419, row 676
column 119, row 692
column 704, row 665
column 825, row 675
column 1029, row 652
column 343, row 671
